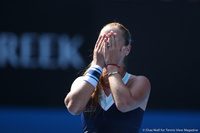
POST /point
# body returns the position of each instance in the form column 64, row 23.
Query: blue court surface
column 58, row 120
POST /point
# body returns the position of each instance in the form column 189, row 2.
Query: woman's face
column 115, row 29
column 121, row 42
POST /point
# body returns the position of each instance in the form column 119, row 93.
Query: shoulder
column 140, row 78
column 140, row 81
column 140, row 87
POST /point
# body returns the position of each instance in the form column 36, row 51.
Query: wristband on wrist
column 93, row 75
column 113, row 65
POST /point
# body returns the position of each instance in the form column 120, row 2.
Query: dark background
column 165, row 48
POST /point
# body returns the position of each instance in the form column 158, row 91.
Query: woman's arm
column 131, row 96
column 81, row 90
column 79, row 95
column 137, row 91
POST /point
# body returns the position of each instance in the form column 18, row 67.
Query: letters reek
column 46, row 51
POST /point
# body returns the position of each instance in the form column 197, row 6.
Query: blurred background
column 46, row 44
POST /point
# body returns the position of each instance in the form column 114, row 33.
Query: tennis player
column 109, row 99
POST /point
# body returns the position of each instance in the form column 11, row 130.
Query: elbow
column 74, row 110
column 122, row 107
column 125, row 106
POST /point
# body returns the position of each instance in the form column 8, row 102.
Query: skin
column 127, row 97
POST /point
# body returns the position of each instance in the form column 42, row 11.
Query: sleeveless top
column 109, row 119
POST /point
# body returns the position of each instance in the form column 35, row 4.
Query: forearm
column 78, row 97
column 120, row 92
column 82, row 89
column 130, row 96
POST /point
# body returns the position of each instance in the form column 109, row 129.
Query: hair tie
column 113, row 65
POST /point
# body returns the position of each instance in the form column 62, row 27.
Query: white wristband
column 93, row 75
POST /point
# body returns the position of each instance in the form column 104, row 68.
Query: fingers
column 112, row 39
column 100, row 42
column 104, row 43
column 109, row 41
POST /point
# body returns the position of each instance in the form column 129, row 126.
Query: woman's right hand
column 98, row 58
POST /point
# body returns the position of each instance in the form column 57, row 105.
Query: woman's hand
column 113, row 52
column 98, row 58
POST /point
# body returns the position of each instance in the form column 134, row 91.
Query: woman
column 108, row 98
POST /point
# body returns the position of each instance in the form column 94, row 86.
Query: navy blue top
column 112, row 121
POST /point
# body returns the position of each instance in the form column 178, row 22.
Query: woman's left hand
column 113, row 51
